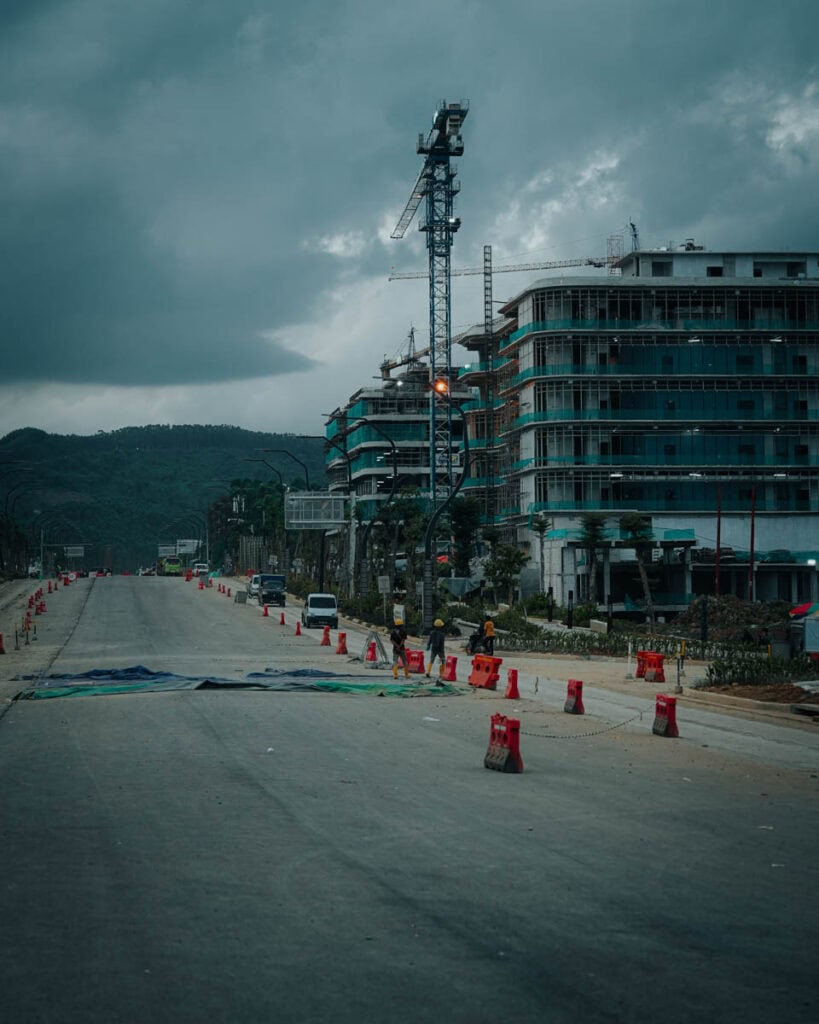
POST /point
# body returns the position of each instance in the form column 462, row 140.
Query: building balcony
column 706, row 504
column 707, row 459
column 716, row 368
column 693, row 324
column 664, row 413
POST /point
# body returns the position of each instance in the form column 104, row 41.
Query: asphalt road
column 242, row 856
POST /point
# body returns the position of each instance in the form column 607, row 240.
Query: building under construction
column 378, row 442
column 685, row 389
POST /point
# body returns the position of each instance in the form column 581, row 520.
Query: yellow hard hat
column 438, row 622
column 399, row 622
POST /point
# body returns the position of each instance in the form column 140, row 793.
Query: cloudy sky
column 196, row 196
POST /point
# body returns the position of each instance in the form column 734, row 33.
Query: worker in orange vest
column 489, row 635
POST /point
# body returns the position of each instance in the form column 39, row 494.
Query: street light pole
column 350, row 556
column 284, row 451
column 366, row 536
column 270, row 466
column 436, row 515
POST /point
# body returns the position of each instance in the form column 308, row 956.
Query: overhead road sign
column 311, row 510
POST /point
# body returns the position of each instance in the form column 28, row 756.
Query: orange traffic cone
column 325, row 637
column 342, row 644
column 281, row 620
column 265, row 613
column 298, row 628
column 370, row 655
column 228, row 591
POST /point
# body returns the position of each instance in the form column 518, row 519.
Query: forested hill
column 121, row 490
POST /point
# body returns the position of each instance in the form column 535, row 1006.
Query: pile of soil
column 776, row 693
column 734, row 620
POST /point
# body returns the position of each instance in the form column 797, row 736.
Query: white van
column 320, row 610
column 200, row 568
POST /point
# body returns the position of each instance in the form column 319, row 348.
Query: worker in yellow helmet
column 435, row 646
column 398, row 639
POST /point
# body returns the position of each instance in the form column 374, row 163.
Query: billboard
column 186, row 547
column 313, row 510
column 166, row 549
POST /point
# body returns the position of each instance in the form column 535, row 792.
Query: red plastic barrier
column 640, row 671
column 654, row 667
column 512, row 692
column 228, row 592
column 665, row 717
column 325, row 637
column 201, row 584
column 574, row 698
column 370, row 655
column 448, row 675
column 503, row 752
column 342, row 644
column 415, row 660
column 484, row 674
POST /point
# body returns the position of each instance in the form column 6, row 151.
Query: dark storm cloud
column 191, row 190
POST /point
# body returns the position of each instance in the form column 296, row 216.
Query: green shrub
column 742, row 668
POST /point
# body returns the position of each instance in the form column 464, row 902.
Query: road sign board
column 311, row 510
column 74, row 551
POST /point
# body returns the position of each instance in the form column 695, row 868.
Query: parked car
column 271, row 589
column 253, row 585
column 320, row 610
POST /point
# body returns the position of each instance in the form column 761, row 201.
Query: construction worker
column 398, row 639
column 489, row 635
column 435, row 646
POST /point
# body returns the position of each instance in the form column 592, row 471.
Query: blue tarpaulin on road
column 138, row 679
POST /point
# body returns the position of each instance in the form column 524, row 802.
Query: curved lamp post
column 283, row 555
column 348, row 461
column 364, row 578
column 284, row 451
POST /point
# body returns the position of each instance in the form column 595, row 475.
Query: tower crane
column 586, row 261
column 438, row 184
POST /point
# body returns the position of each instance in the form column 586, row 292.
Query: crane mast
column 437, row 183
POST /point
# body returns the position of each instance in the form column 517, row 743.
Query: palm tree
column 503, row 568
column 637, row 529
column 541, row 525
column 592, row 532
